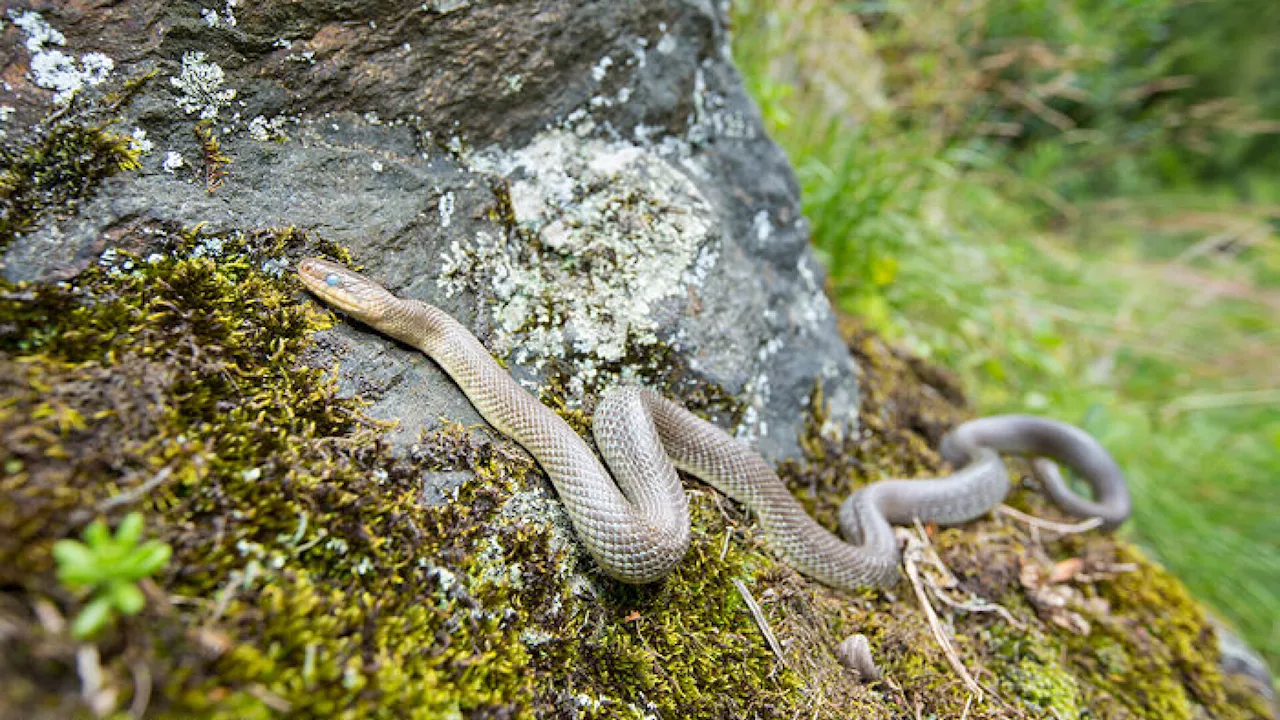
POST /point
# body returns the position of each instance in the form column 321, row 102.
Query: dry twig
column 910, row 562
column 1042, row 524
column 761, row 620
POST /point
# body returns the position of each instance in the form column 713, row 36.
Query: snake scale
column 635, row 522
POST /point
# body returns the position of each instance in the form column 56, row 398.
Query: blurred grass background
column 1076, row 206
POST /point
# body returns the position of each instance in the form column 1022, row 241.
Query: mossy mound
column 310, row 579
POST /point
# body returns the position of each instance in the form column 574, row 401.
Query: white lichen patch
column 5, row 112
column 444, row 7
column 813, row 312
column 445, row 208
column 140, row 142
column 711, row 117
column 756, row 395
column 608, row 233
column 601, row 68
column 172, row 161
column 265, row 129
column 761, row 226
column 53, row 69
column 201, row 85
column 225, row 20
column 512, row 83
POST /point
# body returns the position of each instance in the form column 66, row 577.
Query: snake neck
column 417, row 324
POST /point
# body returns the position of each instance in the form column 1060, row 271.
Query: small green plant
column 112, row 567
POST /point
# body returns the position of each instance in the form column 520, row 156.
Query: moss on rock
column 58, row 169
column 311, row 579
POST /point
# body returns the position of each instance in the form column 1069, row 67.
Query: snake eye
column 332, row 280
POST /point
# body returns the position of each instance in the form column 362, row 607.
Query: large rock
column 582, row 182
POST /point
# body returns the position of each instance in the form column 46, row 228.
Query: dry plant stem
column 100, row 699
column 270, row 699
column 980, row 606
column 1217, row 401
column 135, row 493
column 909, row 562
column 932, row 555
column 950, row 582
column 1042, row 524
column 141, row 689
column 761, row 620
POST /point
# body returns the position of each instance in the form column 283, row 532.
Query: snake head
column 346, row 290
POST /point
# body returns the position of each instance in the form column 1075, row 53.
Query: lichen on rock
column 600, row 236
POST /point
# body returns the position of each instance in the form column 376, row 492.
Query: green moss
column 1030, row 669
column 56, row 171
column 309, row 578
column 1154, row 651
column 307, row 575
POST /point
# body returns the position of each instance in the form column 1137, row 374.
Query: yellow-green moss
column 1149, row 651
column 57, row 170
column 308, row 575
column 310, row 579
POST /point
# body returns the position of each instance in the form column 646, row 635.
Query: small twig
column 760, row 619
column 141, row 689
column 50, row 619
column 715, row 500
column 1106, row 572
column 133, row 494
column 967, row 702
column 974, row 605
column 1217, row 401
column 724, row 549
column 239, row 579
column 950, row 582
column 939, row 634
column 100, row 699
column 1042, row 524
column 270, row 699
column 934, row 559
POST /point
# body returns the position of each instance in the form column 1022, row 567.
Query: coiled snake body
column 637, row 528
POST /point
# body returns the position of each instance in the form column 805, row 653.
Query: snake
column 633, row 517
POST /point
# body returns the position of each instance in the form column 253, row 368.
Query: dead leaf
column 1065, row 570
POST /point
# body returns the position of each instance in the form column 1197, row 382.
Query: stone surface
column 1239, row 659
column 582, row 182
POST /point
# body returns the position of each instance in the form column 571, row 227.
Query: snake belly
column 635, row 520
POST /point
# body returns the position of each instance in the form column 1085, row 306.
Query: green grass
column 1077, row 254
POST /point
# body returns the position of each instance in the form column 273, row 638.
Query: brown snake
column 637, row 528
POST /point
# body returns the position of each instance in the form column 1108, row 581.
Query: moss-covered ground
column 310, row 579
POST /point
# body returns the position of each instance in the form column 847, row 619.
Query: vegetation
column 111, row 567
column 308, row 577
column 57, row 171
column 1075, row 206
